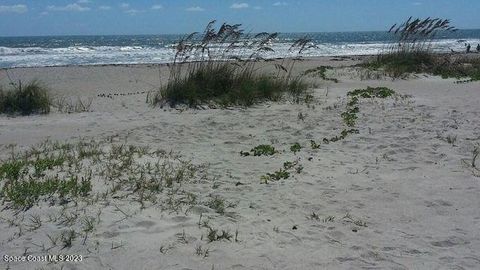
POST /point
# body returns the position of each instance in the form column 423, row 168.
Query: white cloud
column 133, row 11
column 157, row 7
column 84, row 1
column 14, row 9
column 124, row 5
column 195, row 9
column 69, row 7
column 280, row 4
column 104, row 7
column 239, row 5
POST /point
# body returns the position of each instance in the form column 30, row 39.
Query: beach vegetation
column 275, row 176
column 350, row 115
column 221, row 67
column 25, row 99
column 70, row 105
column 320, row 72
column 67, row 237
column 215, row 235
column 296, row 147
column 218, row 204
column 24, row 194
column 260, row 150
column 412, row 52
column 314, row 144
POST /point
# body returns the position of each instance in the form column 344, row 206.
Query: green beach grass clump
column 59, row 173
column 225, row 84
column 32, row 98
column 212, row 68
column 412, row 52
column 465, row 69
column 24, row 194
column 11, row 170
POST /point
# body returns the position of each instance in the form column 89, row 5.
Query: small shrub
column 296, row 147
column 263, row 150
column 31, row 98
column 260, row 150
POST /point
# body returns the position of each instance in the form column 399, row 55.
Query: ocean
column 99, row 50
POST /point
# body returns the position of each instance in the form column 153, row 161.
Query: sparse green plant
column 475, row 154
column 214, row 235
column 68, row 105
column 35, row 222
column 67, row 238
column 296, row 147
column 320, row 72
column 329, row 219
column 350, row 115
column 260, row 150
column 371, row 92
column 199, row 251
column 301, row 116
column 88, row 224
column 451, row 139
column 289, row 165
column 218, row 204
column 314, row 145
column 263, row 150
column 348, row 217
column 314, row 216
column 276, row 176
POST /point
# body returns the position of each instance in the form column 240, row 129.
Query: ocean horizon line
column 187, row 33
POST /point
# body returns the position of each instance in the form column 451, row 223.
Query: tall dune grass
column 220, row 66
column 31, row 98
column 412, row 50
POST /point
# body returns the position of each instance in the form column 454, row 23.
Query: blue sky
column 87, row 17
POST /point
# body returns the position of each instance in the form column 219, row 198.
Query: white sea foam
column 94, row 55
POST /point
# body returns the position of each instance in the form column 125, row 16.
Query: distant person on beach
column 468, row 48
column 478, row 48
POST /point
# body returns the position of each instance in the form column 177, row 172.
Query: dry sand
column 397, row 195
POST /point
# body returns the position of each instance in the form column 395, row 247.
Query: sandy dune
column 398, row 195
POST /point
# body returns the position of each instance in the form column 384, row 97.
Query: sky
column 115, row 17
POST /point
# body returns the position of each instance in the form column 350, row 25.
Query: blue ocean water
column 97, row 50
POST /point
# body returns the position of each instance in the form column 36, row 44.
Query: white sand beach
column 400, row 194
